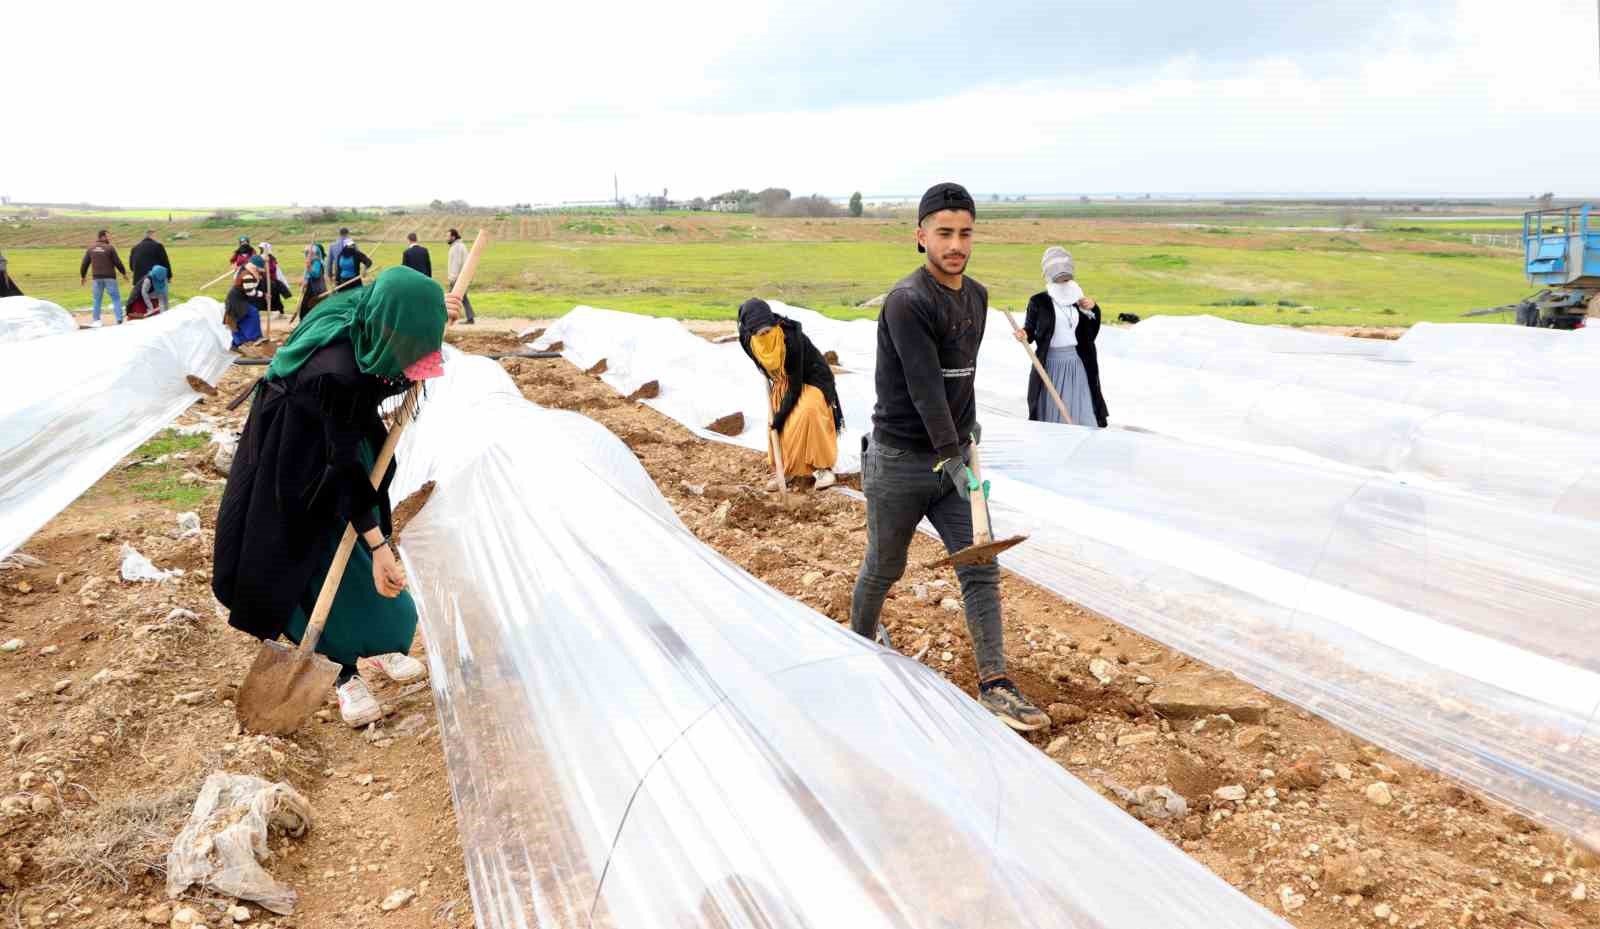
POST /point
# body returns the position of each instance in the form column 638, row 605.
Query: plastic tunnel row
column 78, row 403
column 639, row 733
column 24, row 318
column 1449, row 627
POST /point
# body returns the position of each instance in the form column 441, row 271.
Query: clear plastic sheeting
column 25, row 318
column 1549, row 356
column 71, row 406
column 1455, row 629
column 641, row 734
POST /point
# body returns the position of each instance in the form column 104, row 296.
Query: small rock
column 158, row 915
column 950, row 605
column 363, row 780
column 185, row 916
column 1342, row 771
column 1186, row 701
column 61, row 685
column 1289, row 900
column 49, row 649
column 1142, row 737
column 1379, row 793
column 1102, row 670
column 192, row 698
column 1385, row 773
column 1066, row 713
column 397, row 899
column 1058, row 745
column 40, row 805
column 1143, row 679
column 720, row 514
column 239, row 914
column 1233, row 793
column 1351, row 873
column 23, row 587
column 1382, row 910
column 1078, row 760
column 1304, row 774
column 810, row 578
column 12, row 645
column 947, row 656
column 1254, row 738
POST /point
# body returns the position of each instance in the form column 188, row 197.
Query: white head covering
column 1057, row 260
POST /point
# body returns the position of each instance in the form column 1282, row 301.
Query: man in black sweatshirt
column 923, row 424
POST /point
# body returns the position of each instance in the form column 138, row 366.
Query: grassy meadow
column 1273, row 266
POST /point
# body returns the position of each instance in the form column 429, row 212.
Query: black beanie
column 947, row 195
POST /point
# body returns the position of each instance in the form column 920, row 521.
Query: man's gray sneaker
column 1004, row 700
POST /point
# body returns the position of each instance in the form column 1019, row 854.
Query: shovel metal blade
column 284, row 687
column 982, row 553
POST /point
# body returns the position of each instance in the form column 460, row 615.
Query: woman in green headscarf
column 303, row 471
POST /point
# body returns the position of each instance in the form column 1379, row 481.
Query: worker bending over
column 805, row 404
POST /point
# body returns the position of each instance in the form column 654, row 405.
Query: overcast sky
column 189, row 104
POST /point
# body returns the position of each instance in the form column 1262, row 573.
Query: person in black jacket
column 923, row 427
column 805, row 404
column 1063, row 324
column 146, row 255
column 416, row 257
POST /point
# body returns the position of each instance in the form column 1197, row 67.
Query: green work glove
column 960, row 476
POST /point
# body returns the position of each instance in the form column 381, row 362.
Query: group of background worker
column 914, row 465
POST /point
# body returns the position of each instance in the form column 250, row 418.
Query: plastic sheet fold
column 72, row 405
column 24, row 318
column 641, row 734
column 1451, row 626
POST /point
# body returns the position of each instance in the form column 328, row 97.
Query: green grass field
column 701, row 267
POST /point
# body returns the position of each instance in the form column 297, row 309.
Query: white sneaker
column 773, row 486
column 94, row 324
column 356, row 703
column 402, row 669
column 825, row 478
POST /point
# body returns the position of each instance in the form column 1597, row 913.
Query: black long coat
column 1040, row 326
column 803, row 364
column 297, row 475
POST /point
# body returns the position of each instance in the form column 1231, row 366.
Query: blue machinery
column 1561, row 251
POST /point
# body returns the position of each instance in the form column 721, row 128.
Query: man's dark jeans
column 901, row 488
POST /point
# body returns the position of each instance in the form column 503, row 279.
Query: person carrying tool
column 923, row 425
column 315, row 283
column 244, row 252
column 348, row 265
column 149, row 295
column 458, row 260
column 805, row 404
column 1063, row 324
column 302, row 473
column 248, row 299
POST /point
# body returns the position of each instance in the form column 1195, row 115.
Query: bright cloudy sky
column 190, row 104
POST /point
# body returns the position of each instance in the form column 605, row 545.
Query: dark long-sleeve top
column 802, row 365
column 928, row 337
column 103, row 257
column 1040, row 326
column 298, row 471
column 145, row 255
column 417, row 259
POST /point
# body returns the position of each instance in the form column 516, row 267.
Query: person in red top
column 107, row 264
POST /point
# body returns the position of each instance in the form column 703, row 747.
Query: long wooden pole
column 1043, row 374
column 775, row 442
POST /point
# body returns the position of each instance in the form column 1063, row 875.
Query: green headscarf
column 391, row 324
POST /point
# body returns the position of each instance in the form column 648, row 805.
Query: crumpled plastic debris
column 188, row 526
column 222, row 845
column 136, row 567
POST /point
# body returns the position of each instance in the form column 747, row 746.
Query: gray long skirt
column 1066, row 372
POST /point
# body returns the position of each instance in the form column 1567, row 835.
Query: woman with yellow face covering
column 805, row 404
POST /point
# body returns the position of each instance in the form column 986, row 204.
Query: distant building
column 725, row 206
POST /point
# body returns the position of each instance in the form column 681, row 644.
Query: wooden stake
column 1043, row 374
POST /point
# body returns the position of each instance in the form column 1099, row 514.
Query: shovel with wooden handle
column 1044, row 375
column 286, row 685
column 775, row 443
column 985, row 547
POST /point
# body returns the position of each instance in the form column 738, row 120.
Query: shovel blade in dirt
column 284, row 687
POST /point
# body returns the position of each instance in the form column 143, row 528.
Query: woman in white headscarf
column 1062, row 323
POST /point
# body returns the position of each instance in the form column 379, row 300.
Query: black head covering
column 947, row 195
column 754, row 316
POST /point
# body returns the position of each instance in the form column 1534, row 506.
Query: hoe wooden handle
column 1043, row 374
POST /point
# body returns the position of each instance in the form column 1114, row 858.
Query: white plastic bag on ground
column 136, row 567
column 188, row 525
column 221, row 846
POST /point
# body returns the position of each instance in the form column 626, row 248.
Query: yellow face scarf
column 768, row 349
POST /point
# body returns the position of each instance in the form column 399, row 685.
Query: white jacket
column 458, row 259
